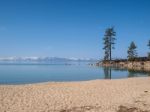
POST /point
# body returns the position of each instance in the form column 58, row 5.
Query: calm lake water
column 34, row 73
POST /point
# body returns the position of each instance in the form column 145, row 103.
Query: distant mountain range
column 45, row 59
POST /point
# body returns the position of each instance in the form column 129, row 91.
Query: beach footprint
column 140, row 104
column 82, row 109
column 143, row 99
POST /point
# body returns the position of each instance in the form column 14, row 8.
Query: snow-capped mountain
column 43, row 59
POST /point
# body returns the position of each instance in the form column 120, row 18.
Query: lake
column 35, row 73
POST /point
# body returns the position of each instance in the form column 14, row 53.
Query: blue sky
column 72, row 28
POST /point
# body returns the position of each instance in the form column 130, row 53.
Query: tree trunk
column 110, row 53
column 110, row 49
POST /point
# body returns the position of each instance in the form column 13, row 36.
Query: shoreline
column 67, row 82
column 130, row 65
column 100, row 95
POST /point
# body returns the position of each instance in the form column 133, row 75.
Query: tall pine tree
column 132, row 53
column 149, row 48
column 109, row 39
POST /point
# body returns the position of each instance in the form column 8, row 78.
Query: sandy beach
column 118, row 95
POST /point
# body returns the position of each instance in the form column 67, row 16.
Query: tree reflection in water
column 107, row 72
column 136, row 73
column 130, row 72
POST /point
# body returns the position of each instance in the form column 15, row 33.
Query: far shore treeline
column 109, row 42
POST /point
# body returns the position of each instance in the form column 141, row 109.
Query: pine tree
column 149, row 48
column 132, row 53
column 106, row 44
column 109, row 39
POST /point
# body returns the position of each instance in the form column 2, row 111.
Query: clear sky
column 72, row 28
